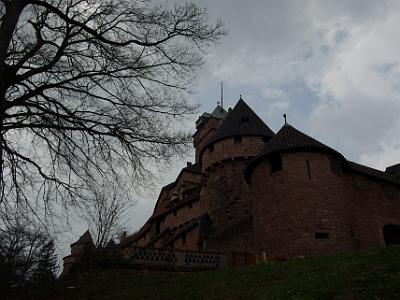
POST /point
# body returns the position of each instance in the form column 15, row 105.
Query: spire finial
column 240, row 97
column 284, row 116
column 218, row 102
column 222, row 94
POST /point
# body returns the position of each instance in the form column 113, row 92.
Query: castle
column 283, row 194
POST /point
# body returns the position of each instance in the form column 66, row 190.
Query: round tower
column 298, row 197
column 206, row 126
column 225, row 195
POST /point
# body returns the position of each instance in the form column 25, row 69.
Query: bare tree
column 104, row 210
column 90, row 88
column 26, row 254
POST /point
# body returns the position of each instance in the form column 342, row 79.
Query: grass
column 373, row 274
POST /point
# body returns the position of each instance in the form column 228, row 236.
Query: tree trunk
column 9, row 23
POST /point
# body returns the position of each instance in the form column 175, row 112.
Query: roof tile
column 241, row 120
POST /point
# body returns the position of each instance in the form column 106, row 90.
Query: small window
column 184, row 239
column 354, row 179
column 175, row 212
column 211, row 148
column 190, row 205
column 158, row 226
column 276, row 163
column 308, row 169
column 336, row 166
column 322, row 235
column 237, row 139
column 390, row 191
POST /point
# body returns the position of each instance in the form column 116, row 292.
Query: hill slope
column 373, row 274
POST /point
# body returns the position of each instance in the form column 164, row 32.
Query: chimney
column 189, row 163
column 393, row 170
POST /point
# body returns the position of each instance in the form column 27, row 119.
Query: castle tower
column 224, row 195
column 206, row 126
column 298, row 197
column 81, row 247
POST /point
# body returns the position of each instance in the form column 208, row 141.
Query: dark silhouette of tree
column 104, row 209
column 46, row 268
column 27, row 255
column 93, row 88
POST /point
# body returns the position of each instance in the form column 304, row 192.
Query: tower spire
column 222, row 94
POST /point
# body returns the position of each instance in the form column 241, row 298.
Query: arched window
column 391, row 234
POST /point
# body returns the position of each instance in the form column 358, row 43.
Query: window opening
column 276, row 163
column 335, row 166
column 308, row 169
column 237, row 139
column 322, row 235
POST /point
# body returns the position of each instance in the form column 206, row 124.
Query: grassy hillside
column 359, row 275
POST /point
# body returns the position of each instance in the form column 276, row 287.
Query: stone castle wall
column 225, row 195
column 307, row 209
column 250, row 146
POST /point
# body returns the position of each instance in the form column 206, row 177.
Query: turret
column 242, row 134
column 206, row 126
column 225, row 196
column 82, row 246
column 298, row 197
column 84, row 243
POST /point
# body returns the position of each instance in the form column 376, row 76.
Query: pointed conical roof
column 86, row 238
column 241, row 120
column 289, row 139
column 218, row 113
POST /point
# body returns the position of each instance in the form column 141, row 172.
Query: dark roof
column 168, row 186
column 203, row 222
column 393, row 170
column 218, row 113
column 372, row 172
column 192, row 194
column 241, row 120
column 132, row 238
column 289, row 139
column 86, row 238
column 194, row 168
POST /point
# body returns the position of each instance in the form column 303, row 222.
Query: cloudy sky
column 332, row 66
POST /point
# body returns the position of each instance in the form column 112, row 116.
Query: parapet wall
column 249, row 146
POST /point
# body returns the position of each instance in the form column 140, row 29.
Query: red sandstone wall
column 225, row 195
column 183, row 214
column 191, row 243
column 238, row 237
column 144, row 240
column 289, row 207
column 369, row 210
column 184, row 177
column 224, row 149
column 203, row 135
